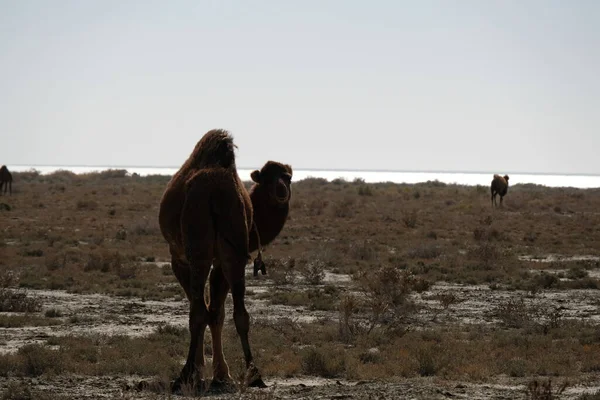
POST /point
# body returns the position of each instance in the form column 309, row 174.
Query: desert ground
column 373, row 291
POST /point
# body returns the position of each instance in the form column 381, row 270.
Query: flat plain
column 378, row 291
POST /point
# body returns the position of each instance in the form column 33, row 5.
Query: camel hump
column 214, row 204
column 215, row 148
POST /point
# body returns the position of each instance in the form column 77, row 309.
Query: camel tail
column 216, row 148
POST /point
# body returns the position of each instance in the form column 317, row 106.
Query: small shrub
column 38, row 359
column 53, row 313
column 281, row 270
column 325, row 361
column 410, row 219
column 364, row 251
column 22, row 391
column 365, row 190
column 516, row 367
column 12, row 300
column 370, row 356
column 88, row 205
column 425, row 251
column 313, row 271
column 121, row 234
column 577, row 272
column 543, row 390
column 8, row 278
column 514, row 313
column 430, row 359
column 33, row 253
column 343, row 209
column 348, row 328
column 386, row 291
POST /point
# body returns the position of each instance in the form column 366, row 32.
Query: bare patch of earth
column 85, row 314
column 558, row 258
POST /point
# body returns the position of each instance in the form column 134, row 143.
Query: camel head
column 275, row 179
column 506, row 178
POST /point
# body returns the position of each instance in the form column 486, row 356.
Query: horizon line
column 326, row 169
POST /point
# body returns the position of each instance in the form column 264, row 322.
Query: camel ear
column 289, row 169
column 255, row 175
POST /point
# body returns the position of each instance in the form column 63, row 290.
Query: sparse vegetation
column 406, row 248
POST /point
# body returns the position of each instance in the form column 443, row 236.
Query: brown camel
column 499, row 186
column 5, row 180
column 208, row 218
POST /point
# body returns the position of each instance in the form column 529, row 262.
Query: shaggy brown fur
column 206, row 216
column 499, row 186
column 5, row 180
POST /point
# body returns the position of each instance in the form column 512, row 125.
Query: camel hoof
column 222, row 386
column 253, row 378
column 258, row 383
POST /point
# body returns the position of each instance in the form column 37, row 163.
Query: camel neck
column 269, row 219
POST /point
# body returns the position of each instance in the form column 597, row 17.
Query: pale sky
column 480, row 85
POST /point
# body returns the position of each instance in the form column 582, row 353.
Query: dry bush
column 349, row 328
column 363, row 250
column 281, row 270
column 326, row 361
column 316, row 206
column 543, row 390
column 513, row 313
column 87, row 205
column 343, row 208
column 425, row 251
column 15, row 300
column 386, row 293
column 313, row 271
column 23, row 391
column 8, row 278
column 103, row 262
column 431, row 359
column 365, row 190
column 18, row 300
column 410, row 219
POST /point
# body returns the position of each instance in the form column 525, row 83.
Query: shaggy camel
column 5, row 180
column 208, row 218
column 499, row 186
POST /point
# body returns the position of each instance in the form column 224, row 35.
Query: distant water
column 461, row 178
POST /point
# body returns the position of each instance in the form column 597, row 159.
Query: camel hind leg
column 216, row 317
column 192, row 373
column 234, row 269
column 199, row 237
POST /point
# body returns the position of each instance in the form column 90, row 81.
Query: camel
column 499, row 186
column 5, row 180
column 209, row 218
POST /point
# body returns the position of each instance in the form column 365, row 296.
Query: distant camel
column 5, row 180
column 499, row 186
column 207, row 217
